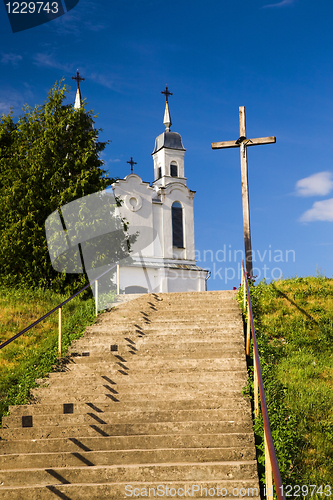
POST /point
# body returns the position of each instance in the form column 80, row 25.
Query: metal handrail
column 271, row 463
column 59, row 306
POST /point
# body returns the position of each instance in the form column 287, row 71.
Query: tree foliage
column 49, row 157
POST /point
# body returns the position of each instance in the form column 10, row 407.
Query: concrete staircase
column 149, row 401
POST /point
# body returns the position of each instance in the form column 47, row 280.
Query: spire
column 167, row 117
column 78, row 98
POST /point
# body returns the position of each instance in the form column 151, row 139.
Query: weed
column 35, row 353
column 294, row 327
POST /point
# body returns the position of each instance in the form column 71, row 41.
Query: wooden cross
column 166, row 93
column 78, row 79
column 131, row 162
column 243, row 143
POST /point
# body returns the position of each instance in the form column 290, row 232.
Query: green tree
column 49, row 157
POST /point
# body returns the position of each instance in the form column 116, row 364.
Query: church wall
column 143, row 277
column 180, row 280
column 178, row 192
column 164, row 158
column 159, row 228
column 138, row 213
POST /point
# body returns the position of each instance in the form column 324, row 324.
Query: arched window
column 173, row 169
column 177, row 225
column 159, row 172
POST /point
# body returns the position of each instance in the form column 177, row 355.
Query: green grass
column 294, row 327
column 35, row 354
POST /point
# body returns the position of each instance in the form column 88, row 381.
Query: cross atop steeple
column 78, row 79
column 166, row 93
column 78, row 99
column 167, row 117
column 131, row 162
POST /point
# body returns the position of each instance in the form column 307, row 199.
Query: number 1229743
column 306, row 490
column 32, row 7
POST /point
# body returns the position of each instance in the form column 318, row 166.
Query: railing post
column 96, row 298
column 256, row 386
column 248, row 331
column 60, row 333
column 118, row 279
column 268, row 472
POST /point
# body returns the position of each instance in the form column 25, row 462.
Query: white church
column 161, row 214
column 163, row 256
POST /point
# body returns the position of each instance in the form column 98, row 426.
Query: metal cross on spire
column 167, row 117
column 131, row 162
column 166, row 93
column 78, row 79
column 243, row 143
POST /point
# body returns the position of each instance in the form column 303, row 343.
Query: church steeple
column 78, row 98
column 168, row 152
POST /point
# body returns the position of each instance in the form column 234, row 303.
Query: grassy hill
column 294, row 326
column 34, row 354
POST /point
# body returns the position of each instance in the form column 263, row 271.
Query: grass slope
column 294, row 327
column 34, row 354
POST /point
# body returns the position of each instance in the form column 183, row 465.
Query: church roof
column 169, row 140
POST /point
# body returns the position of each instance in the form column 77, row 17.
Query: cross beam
column 131, row 162
column 166, row 93
column 243, row 143
column 78, row 79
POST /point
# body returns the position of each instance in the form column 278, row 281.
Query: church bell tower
column 168, row 152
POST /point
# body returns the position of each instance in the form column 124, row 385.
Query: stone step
column 143, row 306
column 220, row 321
column 151, row 389
column 114, row 361
column 116, row 491
column 176, row 310
column 136, row 416
column 124, row 457
column 219, row 470
column 154, row 353
column 127, row 429
column 224, row 403
column 133, row 377
column 136, row 370
column 128, row 398
column 164, row 342
column 136, row 373
column 161, row 334
column 145, row 346
column 72, row 445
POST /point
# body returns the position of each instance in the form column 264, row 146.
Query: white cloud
column 47, row 60
column 11, row 99
column 280, row 4
column 10, row 59
column 4, row 108
column 321, row 210
column 76, row 23
column 320, row 184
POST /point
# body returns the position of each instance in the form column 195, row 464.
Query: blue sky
column 273, row 57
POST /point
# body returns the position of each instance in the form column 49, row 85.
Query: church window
column 173, row 170
column 177, row 225
column 159, row 172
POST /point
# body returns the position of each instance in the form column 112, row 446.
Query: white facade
column 162, row 214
